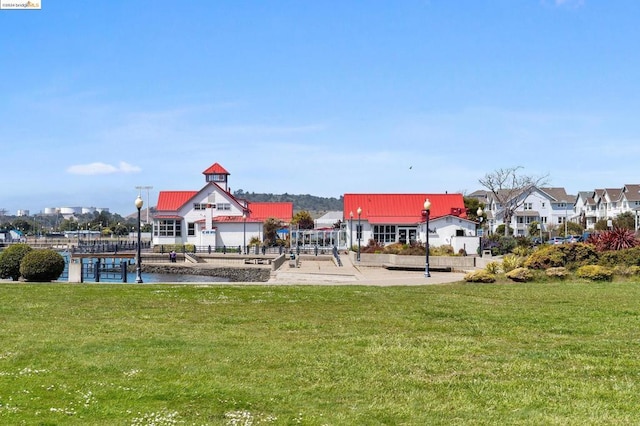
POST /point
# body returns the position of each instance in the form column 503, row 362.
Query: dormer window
column 216, row 178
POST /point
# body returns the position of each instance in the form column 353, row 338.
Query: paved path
column 326, row 272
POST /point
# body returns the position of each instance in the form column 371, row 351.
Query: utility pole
column 140, row 188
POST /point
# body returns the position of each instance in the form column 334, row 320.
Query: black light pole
column 359, row 231
column 244, row 232
column 479, row 214
column 351, row 230
column 425, row 213
column 139, row 203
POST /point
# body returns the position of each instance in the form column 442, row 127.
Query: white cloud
column 102, row 169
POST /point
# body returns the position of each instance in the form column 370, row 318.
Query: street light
column 350, row 230
column 425, row 213
column 359, row 231
column 479, row 214
column 139, row 204
column 244, row 232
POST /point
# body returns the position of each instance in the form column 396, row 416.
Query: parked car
column 556, row 240
column 573, row 239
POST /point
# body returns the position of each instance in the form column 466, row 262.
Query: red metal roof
column 173, row 200
column 401, row 208
column 215, row 169
column 263, row 211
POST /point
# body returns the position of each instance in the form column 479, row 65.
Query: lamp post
column 350, row 230
column 479, row 213
column 139, row 203
column 425, row 213
column 244, row 232
column 359, row 231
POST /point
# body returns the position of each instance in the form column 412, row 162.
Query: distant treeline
column 301, row 202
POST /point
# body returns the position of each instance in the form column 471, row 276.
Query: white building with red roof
column 213, row 216
column 398, row 218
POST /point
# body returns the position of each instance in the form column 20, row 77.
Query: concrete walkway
column 319, row 272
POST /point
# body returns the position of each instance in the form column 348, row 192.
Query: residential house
column 607, row 204
column 398, row 218
column 548, row 207
column 212, row 216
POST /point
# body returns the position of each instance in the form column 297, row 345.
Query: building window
column 169, row 228
column 528, row 206
column 215, row 178
column 224, row 206
column 359, row 231
column 543, row 204
column 384, row 233
column 543, row 219
column 191, row 229
column 199, row 206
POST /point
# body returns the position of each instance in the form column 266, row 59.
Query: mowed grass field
column 120, row 354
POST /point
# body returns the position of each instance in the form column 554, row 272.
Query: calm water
column 146, row 277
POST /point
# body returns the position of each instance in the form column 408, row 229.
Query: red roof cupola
column 217, row 174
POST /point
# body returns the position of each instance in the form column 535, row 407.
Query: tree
column 471, row 204
column 10, row 259
column 601, row 225
column 573, row 228
column 304, row 220
column 626, row 220
column 533, row 230
column 510, row 189
column 270, row 230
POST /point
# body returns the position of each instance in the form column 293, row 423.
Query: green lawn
column 566, row 353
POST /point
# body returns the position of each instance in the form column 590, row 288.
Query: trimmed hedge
column 558, row 272
column 480, row 276
column 520, row 275
column 595, row 273
column 42, row 265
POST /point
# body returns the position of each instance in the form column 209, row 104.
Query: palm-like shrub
column 615, row 239
column 42, row 265
column 511, row 262
column 10, row 259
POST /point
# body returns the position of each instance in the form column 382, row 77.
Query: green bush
column 522, row 251
column 579, row 254
column 594, row 273
column 571, row 256
column 10, row 259
column 557, row 272
column 42, row 265
column 505, row 245
column 179, row 248
column 626, row 257
column 445, row 250
column 480, row 276
column 546, row 257
column 520, row 275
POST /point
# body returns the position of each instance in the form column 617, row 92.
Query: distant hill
column 306, row 202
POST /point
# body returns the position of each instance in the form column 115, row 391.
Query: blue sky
column 322, row 98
